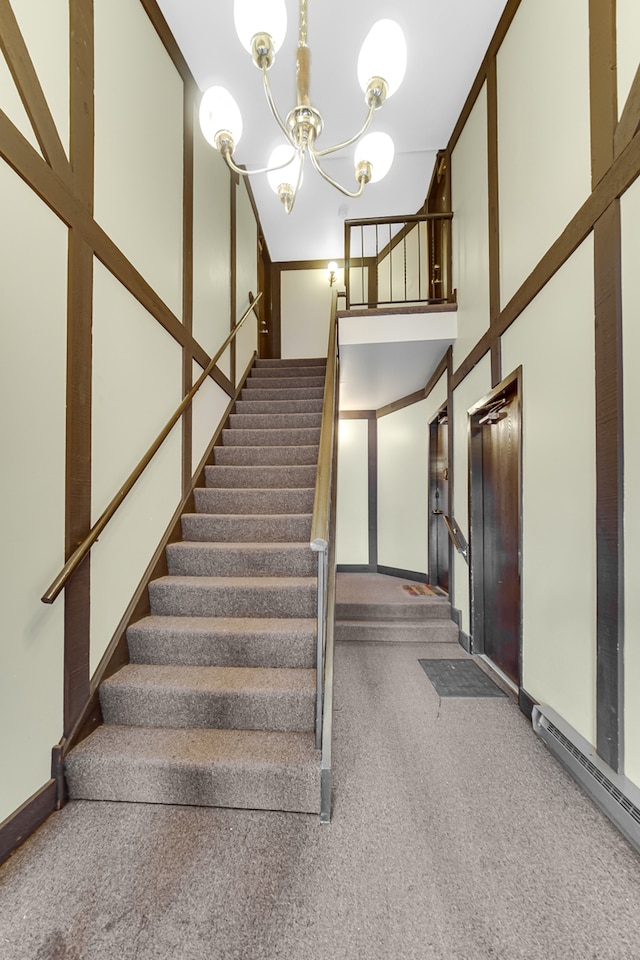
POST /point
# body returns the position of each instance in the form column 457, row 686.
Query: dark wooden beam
column 629, row 124
column 372, row 490
column 77, row 602
column 603, row 85
column 187, row 286
column 609, row 487
column 494, row 216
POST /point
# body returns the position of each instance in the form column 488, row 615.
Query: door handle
column 437, row 512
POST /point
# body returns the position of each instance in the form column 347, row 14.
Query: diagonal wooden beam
column 26, row 79
column 629, row 123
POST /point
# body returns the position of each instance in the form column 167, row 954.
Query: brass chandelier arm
column 249, row 173
column 274, row 109
column 347, row 143
column 334, row 183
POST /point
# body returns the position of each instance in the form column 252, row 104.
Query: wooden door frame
column 510, row 385
column 444, row 408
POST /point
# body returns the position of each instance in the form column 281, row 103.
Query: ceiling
column 446, row 40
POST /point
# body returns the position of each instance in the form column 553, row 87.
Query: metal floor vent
column 616, row 796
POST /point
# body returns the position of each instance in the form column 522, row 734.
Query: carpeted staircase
column 217, row 706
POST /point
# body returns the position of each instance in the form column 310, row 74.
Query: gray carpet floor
column 456, row 836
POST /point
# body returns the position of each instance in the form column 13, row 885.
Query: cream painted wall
column 137, row 380
column 138, row 145
column 33, row 291
column 544, row 131
column 402, row 488
column 209, row 405
column 45, row 28
column 211, row 245
column 247, row 250
column 352, row 510
column 554, row 341
column 628, row 39
column 247, row 278
column 472, row 389
column 470, row 229
column 304, row 313
column 358, row 284
column 631, row 339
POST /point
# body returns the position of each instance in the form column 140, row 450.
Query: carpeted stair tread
column 247, row 769
column 193, row 559
column 269, row 456
column 238, row 698
column 397, row 631
column 266, row 393
column 418, row 609
column 242, row 528
column 256, row 384
column 282, row 436
column 260, row 476
column 283, row 371
column 275, row 421
column 254, row 500
column 278, row 406
column 233, row 596
column 224, row 641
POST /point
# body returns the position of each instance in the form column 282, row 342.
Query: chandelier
column 261, row 27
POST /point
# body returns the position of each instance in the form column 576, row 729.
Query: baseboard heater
column 616, row 796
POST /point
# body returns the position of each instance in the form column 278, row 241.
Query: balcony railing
column 398, row 260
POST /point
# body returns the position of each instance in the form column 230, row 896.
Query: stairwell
column 217, row 704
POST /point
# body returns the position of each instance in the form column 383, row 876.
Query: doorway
column 439, row 500
column 495, row 511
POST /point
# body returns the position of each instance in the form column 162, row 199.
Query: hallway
column 456, row 836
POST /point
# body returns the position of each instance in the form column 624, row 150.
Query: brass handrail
column 82, row 550
column 320, row 520
column 323, row 543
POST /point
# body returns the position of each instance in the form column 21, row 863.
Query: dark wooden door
column 496, row 531
column 438, row 502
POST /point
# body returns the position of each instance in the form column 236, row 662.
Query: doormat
column 418, row 590
column 459, row 678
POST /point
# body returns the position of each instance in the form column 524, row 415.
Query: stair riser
column 223, row 651
column 231, row 784
column 203, row 600
column 211, row 500
column 432, row 610
column 204, row 527
column 429, row 631
column 286, row 711
column 195, row 560
column 266, row 456
column 268, row 438
column 261, row 476
column 275, row 421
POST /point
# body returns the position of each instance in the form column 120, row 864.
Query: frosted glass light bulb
column 287, row 174
column 383, row 54
column 378, row 150
column 252, row 17
column 219, row 111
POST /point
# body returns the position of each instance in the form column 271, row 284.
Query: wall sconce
column 332, row 269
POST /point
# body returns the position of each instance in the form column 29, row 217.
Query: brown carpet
column 456, row 836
